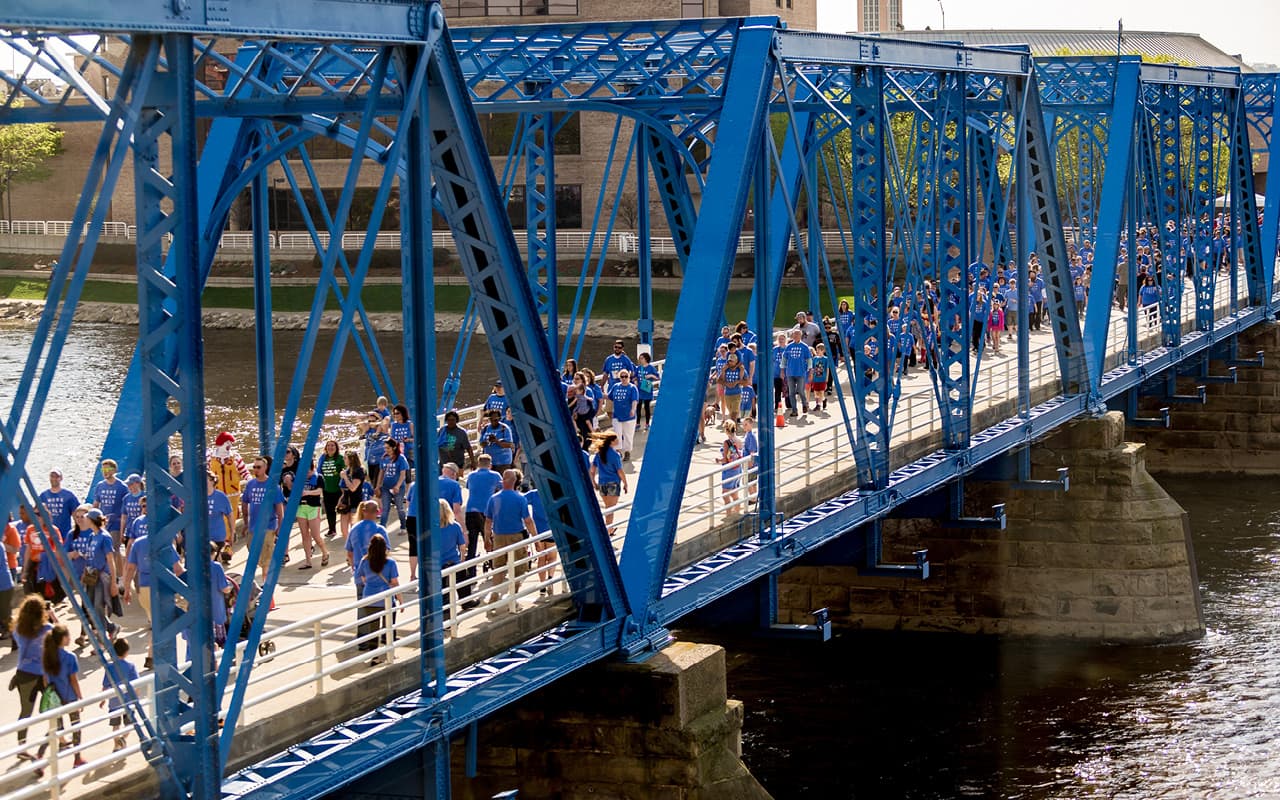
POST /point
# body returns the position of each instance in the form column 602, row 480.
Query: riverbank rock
column 242, row 319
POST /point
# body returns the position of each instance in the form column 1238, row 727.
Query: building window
column 870, row 16
column 691, row 9
column 500, row 131
column 568, row 207
column 510, row 8
column 895, row 15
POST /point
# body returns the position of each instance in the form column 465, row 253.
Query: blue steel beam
column 1118, row 177
column 344, row 20
column 651, row 528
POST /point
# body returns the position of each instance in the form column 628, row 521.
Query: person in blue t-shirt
column 606, row 472
column 127, row 673
column 451, row 547
column 108, row 495
column 779, row 370
column 374, row 436
column 625, row 397
column 62, row 672
column 496, row 441
column 496, row 401
column 362, row 532
column 507, row 522
column 730, row 381
column 402, row 432
column 796, row 357
column 262, row 504
column 647, row 380
column 376, row 573
column 615, row 363
column 482, row 483
column 220, row 516
column 131, row 506
column 1149, row 300
column 58, row 501
column 91, row 553
column 546, row 548
column 750, row 447
column 819, row 371
column 391, row 488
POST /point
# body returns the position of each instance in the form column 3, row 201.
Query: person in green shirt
column 330, row 471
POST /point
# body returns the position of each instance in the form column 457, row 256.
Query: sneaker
column 148, row 664
column 78, row 761
column 119, row 744
column 794, row 414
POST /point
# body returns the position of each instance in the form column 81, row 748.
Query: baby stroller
column 255, row 592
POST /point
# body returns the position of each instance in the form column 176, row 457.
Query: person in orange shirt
column 8, row 577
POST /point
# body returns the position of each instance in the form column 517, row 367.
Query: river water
column 882, row 715
column 929, row 716
column 82, row 397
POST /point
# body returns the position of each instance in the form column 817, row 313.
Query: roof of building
column 1187, row 48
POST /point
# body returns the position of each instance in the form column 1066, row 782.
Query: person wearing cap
column 131, row 507
column 496, row 401
column 810, row 333
column 108, row 497
column 625, row 397
column 58, row 501
column 90, row 549
column 496, row 441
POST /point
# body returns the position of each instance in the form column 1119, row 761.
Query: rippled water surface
column 917, row 716
column 82, row 396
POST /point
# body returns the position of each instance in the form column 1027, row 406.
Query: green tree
column 25, row 150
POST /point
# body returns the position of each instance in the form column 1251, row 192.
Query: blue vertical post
column 644, row 249
column 173, row 402
column 765, row 264
column 1022, row 198
column 540, row 217
column 263, row 345
column 420, row 388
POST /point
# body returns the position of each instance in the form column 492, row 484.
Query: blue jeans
column 795, row 391
column 388, row 498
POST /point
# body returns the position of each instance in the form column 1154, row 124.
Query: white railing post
column 51, row 747
column 316, row 631
column 451, row 581
column 389, row 625
column 511, row 582
column 711, row 499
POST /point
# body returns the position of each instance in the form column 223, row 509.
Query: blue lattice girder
column 172, row 398
column 487, row 250
column 1046, row 227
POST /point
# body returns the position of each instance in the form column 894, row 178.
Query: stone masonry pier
column 1110, row 560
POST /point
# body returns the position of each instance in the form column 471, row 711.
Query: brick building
column 581, row 145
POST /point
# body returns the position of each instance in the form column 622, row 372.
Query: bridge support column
column 1236, row 431
column 1109, row 561
column 663, row 728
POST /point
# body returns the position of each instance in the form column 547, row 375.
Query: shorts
column 120, row 719
column 308, row 512
column 144, row 600
column 818, row 387
column 268, row 548
column 611, row 489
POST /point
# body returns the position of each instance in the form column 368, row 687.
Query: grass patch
column 610, row 302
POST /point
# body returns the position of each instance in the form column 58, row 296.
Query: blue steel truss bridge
column 860, row 164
